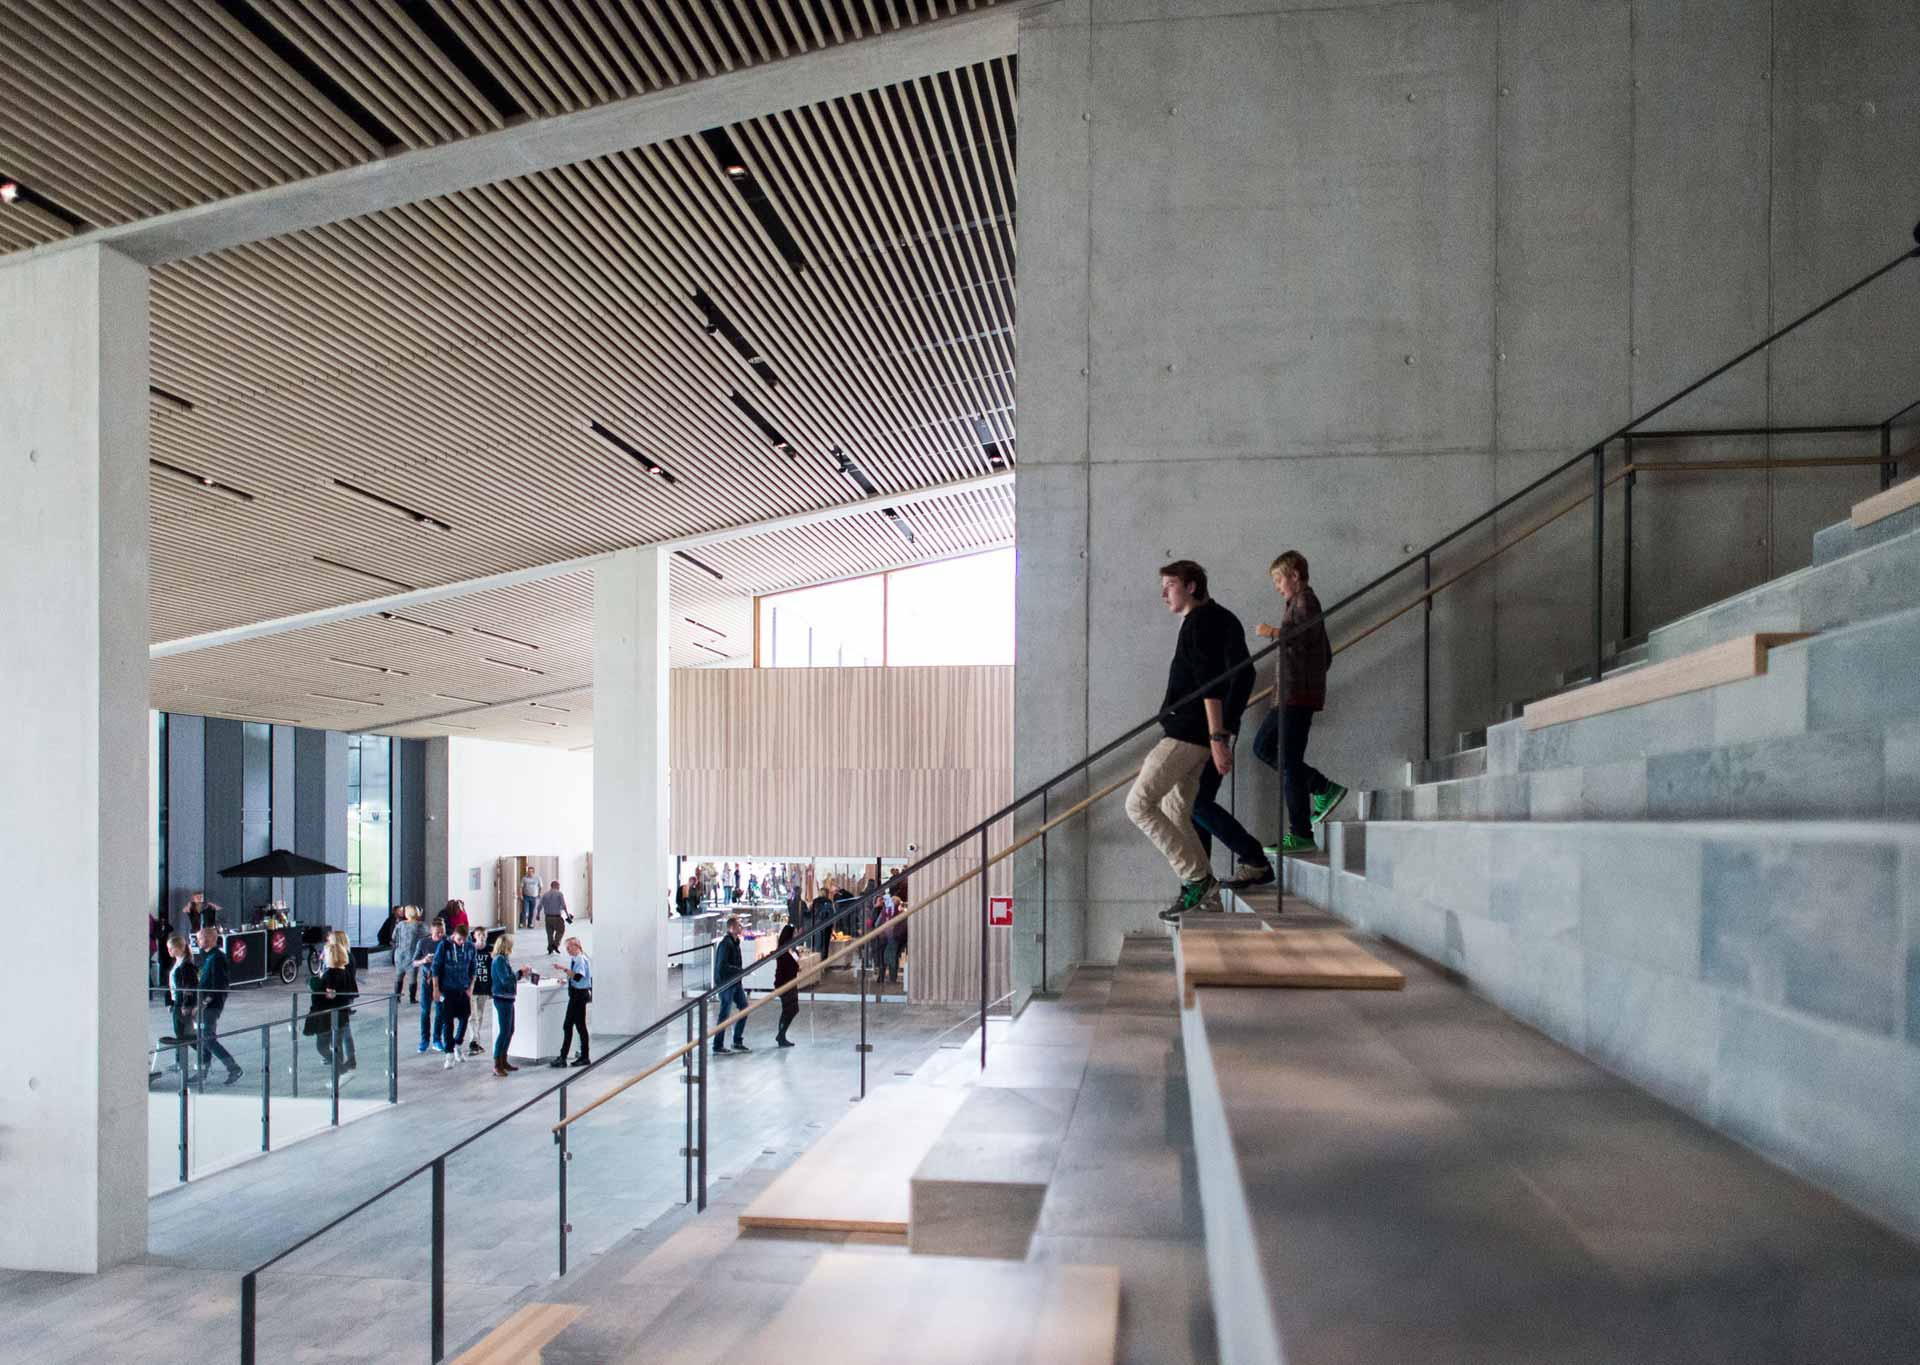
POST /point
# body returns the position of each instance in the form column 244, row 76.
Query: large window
column 369, row 833
column 958, row 611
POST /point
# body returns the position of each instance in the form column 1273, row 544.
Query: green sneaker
column 1324, row 803
column 1293, row 843
column 1194, row 896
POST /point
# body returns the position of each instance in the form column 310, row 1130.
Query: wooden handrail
column 1637, row 466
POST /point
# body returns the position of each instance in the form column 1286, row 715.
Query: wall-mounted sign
column 1000, row 911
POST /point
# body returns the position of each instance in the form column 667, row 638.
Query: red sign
column 237, row 950
column 279, row 941
column 1000, row 911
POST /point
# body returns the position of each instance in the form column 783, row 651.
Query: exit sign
column 1000, row 911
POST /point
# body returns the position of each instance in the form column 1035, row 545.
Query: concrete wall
column 505, row 800
column 1340, row 276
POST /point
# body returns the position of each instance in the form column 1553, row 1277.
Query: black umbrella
column 281, row 863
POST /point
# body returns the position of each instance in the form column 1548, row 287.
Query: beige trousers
column 1161, row 803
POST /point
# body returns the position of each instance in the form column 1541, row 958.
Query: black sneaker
column 557, row 1063
column 782, row 1042
column 233, row 1075
column 580, row 1061
column 719, row 1048
column 741, row 1047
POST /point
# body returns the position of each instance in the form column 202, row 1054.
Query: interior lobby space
column 1056, row 681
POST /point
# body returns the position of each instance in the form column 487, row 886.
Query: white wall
column 510, row 799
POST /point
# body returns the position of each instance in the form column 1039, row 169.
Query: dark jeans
column 323, row 1041
column 429, row 1029
column 732, row 1000
column 789, row 1007
column 455, row 1006
column 210, row 1041
column 555, row 927
column 576, row 1022
column 1282, row 743
column 1211, row 818
column 502, row 1028
column 527, row 904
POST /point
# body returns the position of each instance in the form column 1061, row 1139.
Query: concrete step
column 1873, row 580
column 1844, row 538
column 979, row 1189
column 1757, row 974
column 1447, row 767
column 1832, row 729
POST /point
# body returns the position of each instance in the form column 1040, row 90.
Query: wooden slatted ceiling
column 122, row 109
column 449, row 356
column 440, row 653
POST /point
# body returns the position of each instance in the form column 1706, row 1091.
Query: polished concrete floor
column 360, row 1292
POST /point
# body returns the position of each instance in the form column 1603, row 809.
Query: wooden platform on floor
column 1282, row 958
column 1745, row 656
column 858, row 1176
column 520, row 1337
column 944, row 1310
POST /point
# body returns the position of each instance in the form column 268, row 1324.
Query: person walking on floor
column 579, row 995
column 504, row 983
column 822, row 912
column 1281, row 741
column 213, row 987
column 330, row 1008
column 553, row 906
column 423, row 956
column 786, row 969
column 733, row 996
column 452, row 971
column 529, row 895
column 407, row 936
column 181, row 980
column 482, row 988
column 1195, row 732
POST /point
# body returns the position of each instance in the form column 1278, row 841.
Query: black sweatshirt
column 1211, row 641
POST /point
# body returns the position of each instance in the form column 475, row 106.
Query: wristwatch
column 1219, row 736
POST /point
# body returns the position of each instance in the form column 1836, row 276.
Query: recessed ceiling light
column 627, row 448
column 503, row 639
column 9, row 192
column 518, row 668
column 400, row 620
column 736, row 170
column 389, row 505
column 365, row 573
column 470, row 701
column 202, row 482
column 369, row 668
column 351, row 701
column 544, row 707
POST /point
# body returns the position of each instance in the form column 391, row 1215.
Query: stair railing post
column 333, row 1046
column 860, row 975
column 1886, row 456
column 564, row 1157
column 1280, row 758
column 687, row 1082
column 437, row 1287
column 1599, row 559
column 1426, row 660
column 293, row 1041
column 266, row 1087
column 983, row 949
column 393, row 1048
column 700, row 1128
column 186, row 1070
column 1044, row 979
column 1626, row 548
column 246, row 1318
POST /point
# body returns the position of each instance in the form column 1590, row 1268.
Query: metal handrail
column 691, row 1006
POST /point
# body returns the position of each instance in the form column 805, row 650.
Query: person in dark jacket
column 481, row 1003
column 215, row 984
column 503, row 986
column 821, row 912
column 423, row 955
column 452, row 973
column 785, row 970
column 1282, row 739
column 330, row 1011
column 726, row 966
column 181, row 979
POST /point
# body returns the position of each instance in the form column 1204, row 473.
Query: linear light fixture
column 173, row 399
column 719, row 324
column 767, row 429
column 626, row 447
column 450, row 725
column 400, row 620
column 470, row 701
column 550, row 724
column 350, row 701
column 711, row 650
column 365, row 573
column 388, row 504
column 996, row 457
column 734, row 167
column 503, row 639
column 703, row 568
column 543, row 706
column 899, row 522
column 199, row 481
column 369, row 668
column 844, row 464
column 258, row 720
column 315, row 75
column 13, row 192
column 518, row 668
column 704, row 626
column 438, row 32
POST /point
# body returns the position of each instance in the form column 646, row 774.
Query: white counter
column 539, row 1013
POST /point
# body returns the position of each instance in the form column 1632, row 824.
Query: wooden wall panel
column 850, row 762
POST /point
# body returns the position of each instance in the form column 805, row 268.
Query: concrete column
column 438, row 829
column 225, row 778
column 320, row 825
column 186, row 813
column 631, row 872
column 73, row 605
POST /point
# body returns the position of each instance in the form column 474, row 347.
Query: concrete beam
column 544, row 144
column 415, row 597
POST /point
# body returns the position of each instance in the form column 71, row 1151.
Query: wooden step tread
column 1286, row 959
column 1884, row 504
column 858, row 1176
column 1744, row 656
column 944, row 1310
column 520, row 1337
